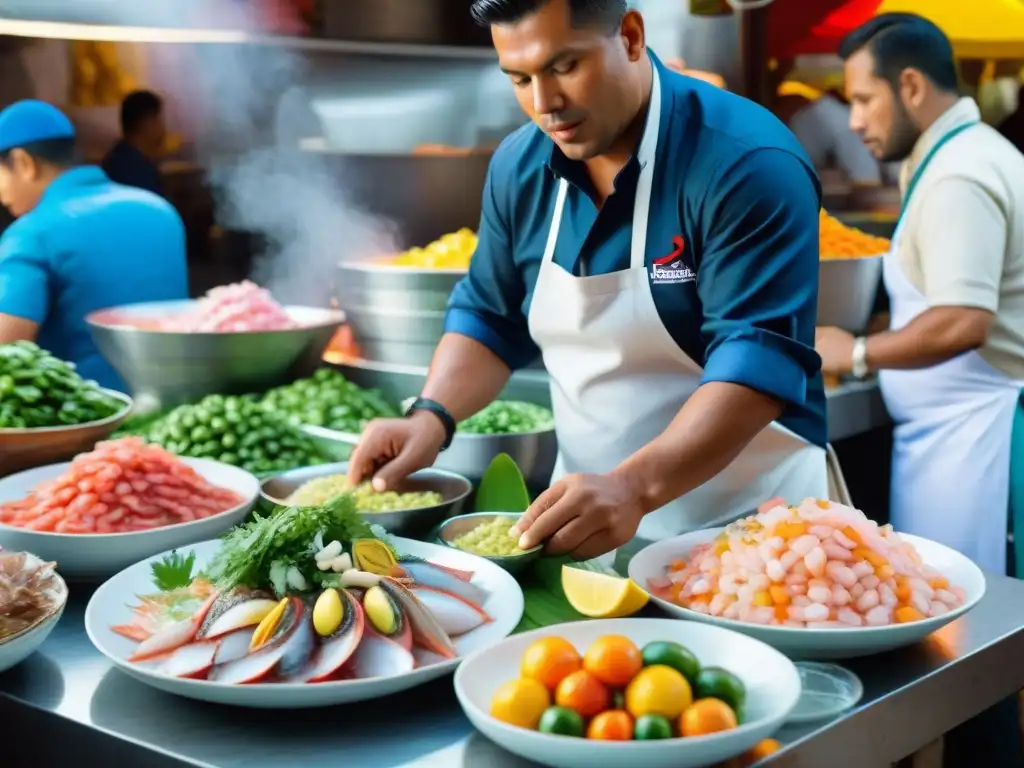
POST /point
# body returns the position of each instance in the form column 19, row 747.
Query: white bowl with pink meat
column 819, row 581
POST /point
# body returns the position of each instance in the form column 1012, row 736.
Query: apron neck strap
column 646, row 153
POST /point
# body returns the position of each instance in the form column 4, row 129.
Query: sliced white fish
column 233, row 646
column 379, row 657
column 193, row 660
column 248, row 613
column 456, row 616
column 430, row 575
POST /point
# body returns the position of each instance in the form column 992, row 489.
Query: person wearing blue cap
column 80, row 242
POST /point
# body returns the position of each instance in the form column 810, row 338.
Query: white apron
column 618, row 379
column 951, row 452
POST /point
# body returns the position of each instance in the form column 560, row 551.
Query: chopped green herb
column 174, row 571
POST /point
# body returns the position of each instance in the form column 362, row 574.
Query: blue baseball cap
column 26, row 122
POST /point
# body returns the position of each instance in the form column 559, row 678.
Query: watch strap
column 859, row 367
column 442, row 413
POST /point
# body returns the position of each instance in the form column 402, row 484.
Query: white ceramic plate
column 16, row 649
column 110, row 605
column 99, row 555
column 651, row 561
column 772, row 682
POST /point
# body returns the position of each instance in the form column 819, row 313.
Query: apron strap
column 556, row 221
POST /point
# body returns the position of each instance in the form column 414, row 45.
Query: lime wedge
column 502, row 488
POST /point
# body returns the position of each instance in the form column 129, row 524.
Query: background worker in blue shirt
column 133, row 159
column 655, row 238
column 80, row 243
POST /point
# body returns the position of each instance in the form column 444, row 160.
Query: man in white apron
column 655, row 239
column 951, row 366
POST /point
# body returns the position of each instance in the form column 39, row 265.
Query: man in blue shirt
column 655, row 238
column 81, row 242
column 133, row 160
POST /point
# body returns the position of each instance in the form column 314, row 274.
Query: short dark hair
column 59, row 152
column 137, row 107
column 602, row 13
column 900, row 41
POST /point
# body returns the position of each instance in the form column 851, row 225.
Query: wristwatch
column 860, row 369
column 434, row 407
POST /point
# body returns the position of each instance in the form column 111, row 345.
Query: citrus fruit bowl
column 610, row 693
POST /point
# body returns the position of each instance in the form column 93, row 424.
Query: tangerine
column 549, row 661
column 583, row 693
column 613, row 725
column 706, row 716
column 614, row 660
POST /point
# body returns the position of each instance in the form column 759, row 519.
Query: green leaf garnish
column 174, row 571
column 285, row 535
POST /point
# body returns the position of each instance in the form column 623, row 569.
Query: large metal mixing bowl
column 164, row 369
column 22, row 449
column 412, row 523
column 846, row 291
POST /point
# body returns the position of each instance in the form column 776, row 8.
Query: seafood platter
column 32, row 600
column 123, row 501
column 308, row 607
column 818, row 580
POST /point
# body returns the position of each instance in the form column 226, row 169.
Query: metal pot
column 847, row 290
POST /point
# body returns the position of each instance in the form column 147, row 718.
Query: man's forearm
column 935, row 336
column 707, row 434
column 464, row 376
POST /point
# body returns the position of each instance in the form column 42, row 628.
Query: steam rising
column 262, row 181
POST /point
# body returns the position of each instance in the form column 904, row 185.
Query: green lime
column 718, row 683
column 650, row 727
column 561, row 721
column 618, row 700
column 674, row 655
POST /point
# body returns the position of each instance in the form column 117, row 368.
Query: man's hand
column 836, row 349
column 390, row 450
column 583, row 515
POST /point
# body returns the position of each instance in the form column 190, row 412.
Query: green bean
column 508, row 417
column 39, row 390
column 256, row 440
column 328, row 399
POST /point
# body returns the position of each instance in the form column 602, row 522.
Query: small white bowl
column 17, row 648
column 96, row 556
column 801, row 643
column 771, row 680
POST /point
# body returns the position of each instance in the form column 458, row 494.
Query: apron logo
column 673, row 268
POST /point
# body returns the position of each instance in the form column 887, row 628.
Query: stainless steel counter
column 855, row 408
column 67, row 702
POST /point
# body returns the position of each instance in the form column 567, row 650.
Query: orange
column 550, row 660
column 613, row 659
column 520, row 702
column 614, row 725
column 584, row 693
column 706, row 716
column 758, row 752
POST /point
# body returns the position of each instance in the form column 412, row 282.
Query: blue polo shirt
column 733, row 183
column 90, row 244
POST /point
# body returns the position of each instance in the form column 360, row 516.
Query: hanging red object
column 803, row 27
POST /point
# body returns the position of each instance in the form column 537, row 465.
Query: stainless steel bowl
column 411, row 523
column 469, row 455
column 846, row 291
column 457, row 526
column 381, row 285
column 30, row 448
column 165, row 369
